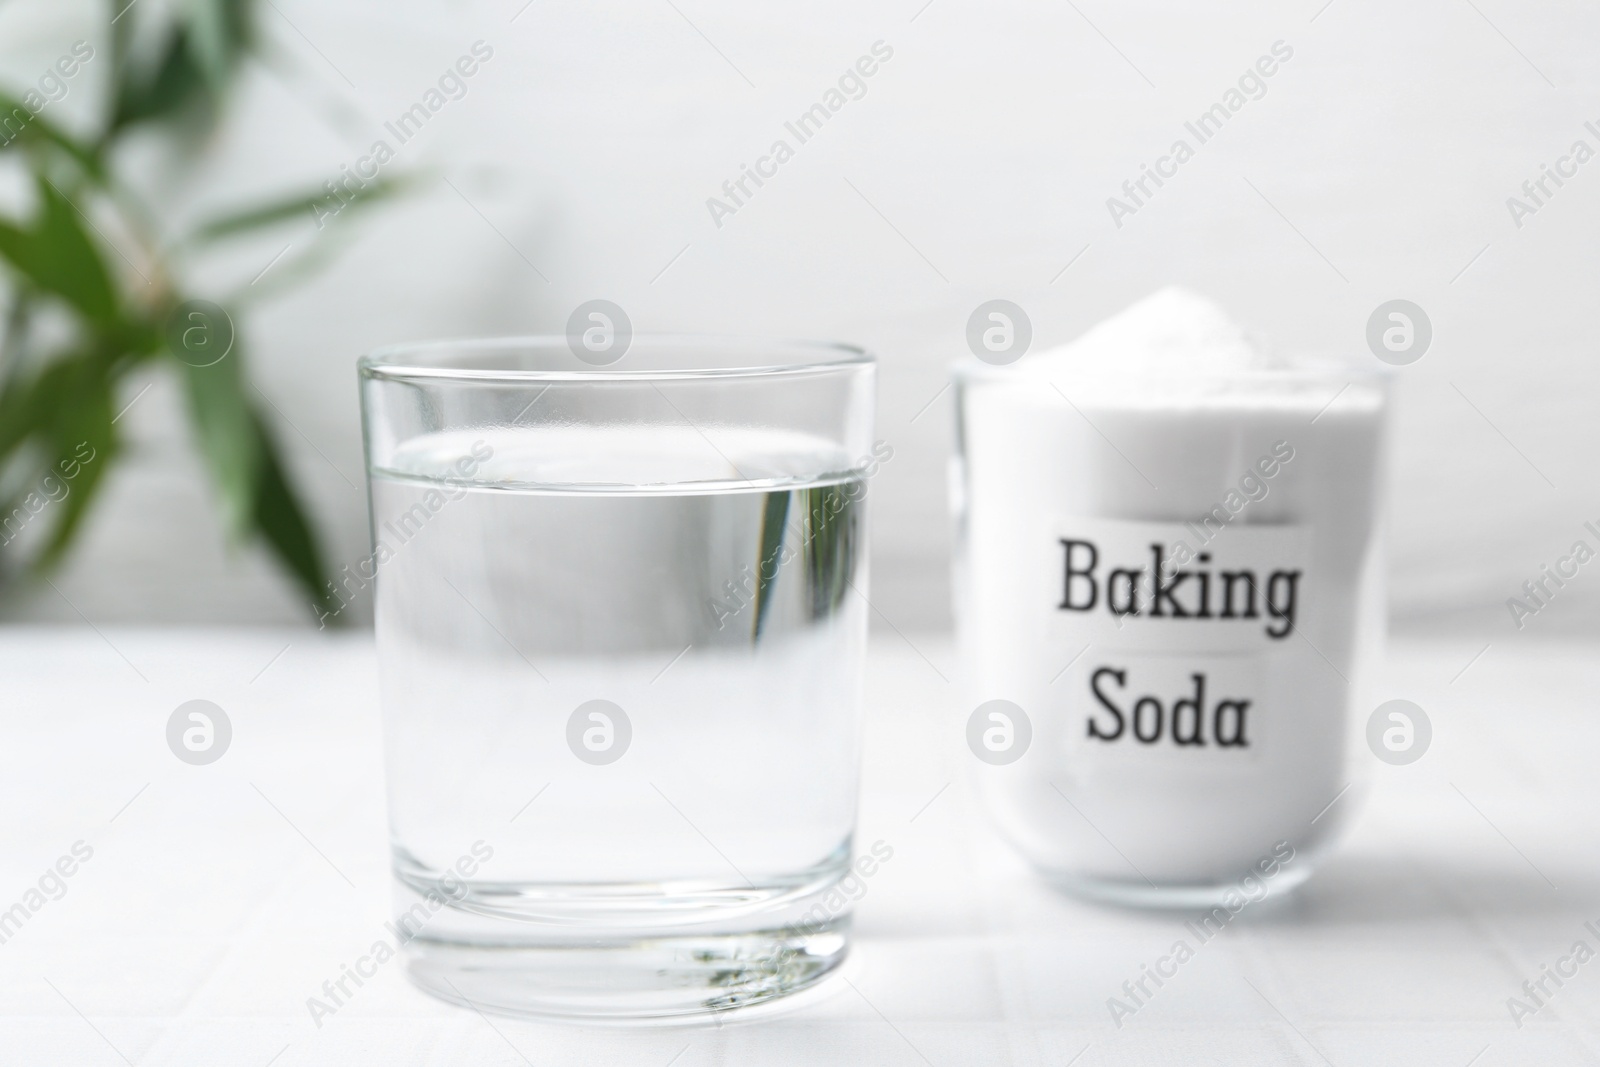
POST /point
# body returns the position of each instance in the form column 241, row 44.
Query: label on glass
column 1181, row 633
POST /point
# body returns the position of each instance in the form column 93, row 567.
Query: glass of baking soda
column 1168, row 587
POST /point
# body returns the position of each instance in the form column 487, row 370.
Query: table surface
column 219, row 898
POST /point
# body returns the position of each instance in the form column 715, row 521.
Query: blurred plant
column 78, row 322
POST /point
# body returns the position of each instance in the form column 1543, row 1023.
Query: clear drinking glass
column 620, row 627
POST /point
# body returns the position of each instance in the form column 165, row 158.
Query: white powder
column 1077, row 466
column 1175, row 347
column 1172, row 331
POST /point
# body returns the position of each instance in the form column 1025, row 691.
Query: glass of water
column 620, row 610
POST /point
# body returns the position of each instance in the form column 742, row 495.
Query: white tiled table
column 216, row 900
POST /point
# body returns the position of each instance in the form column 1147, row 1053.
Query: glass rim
column 409, row 361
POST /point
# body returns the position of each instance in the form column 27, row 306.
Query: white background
column 977, row 166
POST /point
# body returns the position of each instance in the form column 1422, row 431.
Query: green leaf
column 64, row 410
column 20, row 127
column 56, row 255
column 219, row 34
column 199, row 60
column 282, row 522
column 15, row 333
column 248, row 473
column 28, row 405
column 259, row 218
column 85, row 441
column 314, row 205
column 24, row 404
column 144, row 95
column 123, row 33
column 224, row 422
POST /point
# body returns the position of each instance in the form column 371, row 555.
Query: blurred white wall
column 977, row 165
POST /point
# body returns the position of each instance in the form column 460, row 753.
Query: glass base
column 1135, row 893
column 665, row 978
